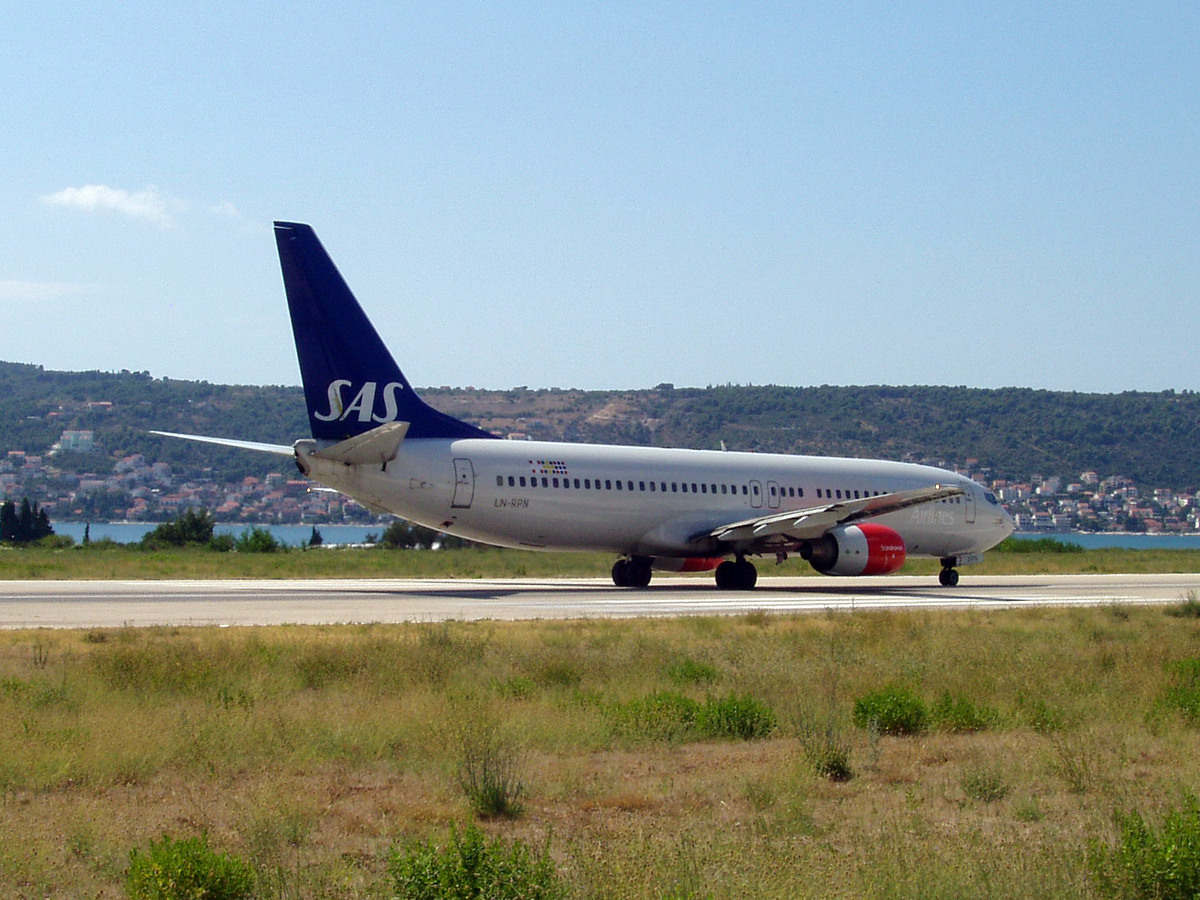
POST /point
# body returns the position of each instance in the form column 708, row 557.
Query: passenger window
column 693, row 487
column 652, row 485
column 724, row 489
column 556, row 482
column 607, row 484
column 618, row 484
column 545, row 481
column 756, row 490
column 576, row 484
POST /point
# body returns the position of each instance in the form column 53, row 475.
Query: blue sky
column 611, row 195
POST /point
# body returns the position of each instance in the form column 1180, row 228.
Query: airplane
column 675, row 510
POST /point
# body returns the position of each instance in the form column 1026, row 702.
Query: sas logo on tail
column 363, row 402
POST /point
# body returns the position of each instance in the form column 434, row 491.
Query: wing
column 807, row 524
column 229, row 442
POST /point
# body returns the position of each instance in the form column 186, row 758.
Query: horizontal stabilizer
column 279, row 449
column 379, row 446
column 805, row 524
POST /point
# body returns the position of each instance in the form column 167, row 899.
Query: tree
column 8, row 521
column 29, row 523
column 192, row 527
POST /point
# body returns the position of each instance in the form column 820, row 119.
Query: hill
column 1152, row 438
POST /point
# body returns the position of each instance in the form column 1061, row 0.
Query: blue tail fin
column 351, row 382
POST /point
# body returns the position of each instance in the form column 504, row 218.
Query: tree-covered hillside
column 1153, row 438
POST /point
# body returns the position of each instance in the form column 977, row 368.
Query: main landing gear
column 633, row 572
column 948, row 577
column 732, row 575
column 737, row 575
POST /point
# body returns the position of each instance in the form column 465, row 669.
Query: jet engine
column 866, row 549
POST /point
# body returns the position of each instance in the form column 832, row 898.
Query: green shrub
column 471, row 866
column 893, row 710
column 191, row 527
column 738, row 718
column 959, row 715
column 670, row 716
column 1149, row 863
column 984, row 785
column 688, row 671
column 257, row 540
column 187, row 870
column 662, row 716
column 1183, row 695
column 830, row 760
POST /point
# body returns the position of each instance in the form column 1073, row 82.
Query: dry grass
column 312, row 751
column 116, row 562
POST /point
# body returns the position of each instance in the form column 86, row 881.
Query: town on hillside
column 135, row 489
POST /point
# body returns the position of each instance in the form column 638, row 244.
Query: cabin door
column 756, row 494
column 464, row 484
column 774, row 494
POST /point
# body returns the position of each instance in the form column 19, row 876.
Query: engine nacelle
column 866, row 549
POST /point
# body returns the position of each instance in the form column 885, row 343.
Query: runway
column 113, row 604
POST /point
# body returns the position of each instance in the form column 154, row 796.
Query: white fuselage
column 644, row 501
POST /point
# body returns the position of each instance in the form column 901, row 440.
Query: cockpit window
column 991, row 498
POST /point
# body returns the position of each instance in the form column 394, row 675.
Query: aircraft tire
column 639, row 572
column 635, row 573
column 736, row 576
column 948, row 577
column 748, row 575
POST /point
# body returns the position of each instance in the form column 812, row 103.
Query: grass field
column 311, row 752
column 114, row 561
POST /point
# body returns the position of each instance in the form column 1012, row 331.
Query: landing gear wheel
column 633, row 573
column 639, row 572
column 948, row 577
column 737, row 575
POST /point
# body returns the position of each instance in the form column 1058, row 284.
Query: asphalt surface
column 113, row 604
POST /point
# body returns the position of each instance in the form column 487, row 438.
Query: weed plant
column 187, row 869
column 1147, row 862
column 489, row 770
column 893, row 710
column 472, row 865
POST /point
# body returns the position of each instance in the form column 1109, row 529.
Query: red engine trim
column 866, row 549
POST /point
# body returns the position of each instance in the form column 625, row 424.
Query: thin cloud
column 150, row 204
column 38, row 291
